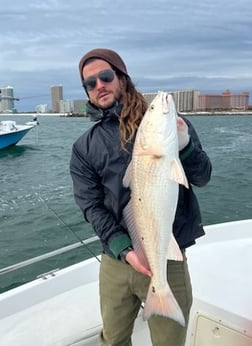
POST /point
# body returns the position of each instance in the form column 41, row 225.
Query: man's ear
column 122, row 81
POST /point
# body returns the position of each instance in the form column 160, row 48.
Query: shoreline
column 220, row 113
column 33, row 114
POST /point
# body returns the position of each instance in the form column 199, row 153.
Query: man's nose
column 99, row 83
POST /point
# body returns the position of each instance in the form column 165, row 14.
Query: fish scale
column 157, row 217
column 153, row 176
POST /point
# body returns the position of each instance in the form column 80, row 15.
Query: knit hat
column 108, row 55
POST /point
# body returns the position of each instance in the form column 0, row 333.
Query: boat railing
column 47, row 255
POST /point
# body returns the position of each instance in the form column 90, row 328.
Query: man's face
column 104, row 94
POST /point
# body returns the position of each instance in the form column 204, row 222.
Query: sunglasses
column 106, row 76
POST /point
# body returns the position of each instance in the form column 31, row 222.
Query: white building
column 7, row 100
column 66, row 106
column 42, row 108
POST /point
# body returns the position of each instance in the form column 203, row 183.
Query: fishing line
column 69, row 228
column 76, row 236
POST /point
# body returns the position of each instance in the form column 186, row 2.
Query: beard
column 106, row 98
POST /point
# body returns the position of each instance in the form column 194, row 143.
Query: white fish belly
column 154, row 198
column 154, row 202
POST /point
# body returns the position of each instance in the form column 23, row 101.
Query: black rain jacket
column 97, row 167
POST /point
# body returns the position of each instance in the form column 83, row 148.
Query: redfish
column 153, row 176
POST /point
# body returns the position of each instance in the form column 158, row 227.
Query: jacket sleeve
column 196, row 163
column 89, row 196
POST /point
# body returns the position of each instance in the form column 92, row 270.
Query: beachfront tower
column 7, row 100
column 56, row 97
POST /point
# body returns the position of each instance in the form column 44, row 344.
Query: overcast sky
column 166, row 44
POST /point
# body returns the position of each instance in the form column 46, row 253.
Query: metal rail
column 47, row 255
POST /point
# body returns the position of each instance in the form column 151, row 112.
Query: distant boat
column 33, row 122
column 11, row 133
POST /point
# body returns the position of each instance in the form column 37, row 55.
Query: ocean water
column 37, row 210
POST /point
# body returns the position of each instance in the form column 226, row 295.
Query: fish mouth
column 165, row 102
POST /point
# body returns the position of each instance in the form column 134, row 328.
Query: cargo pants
column 122, row 290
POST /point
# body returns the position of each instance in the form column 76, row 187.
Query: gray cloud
column 165, row 44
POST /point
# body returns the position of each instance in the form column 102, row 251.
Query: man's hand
column 134, row 261
column 183, row 135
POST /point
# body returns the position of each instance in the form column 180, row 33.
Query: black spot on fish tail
column 153, row 289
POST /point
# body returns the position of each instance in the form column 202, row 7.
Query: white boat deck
column 64, row 309
column 9, row 126
column 224, row 271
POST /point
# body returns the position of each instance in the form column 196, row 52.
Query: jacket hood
column 96, row 114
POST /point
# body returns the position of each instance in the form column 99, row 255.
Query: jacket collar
column 96, row 114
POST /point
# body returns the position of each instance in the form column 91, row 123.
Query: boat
column 62, row 307
column 11, row 133
column 33, row 122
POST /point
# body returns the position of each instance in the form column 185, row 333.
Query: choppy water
column 35, row 184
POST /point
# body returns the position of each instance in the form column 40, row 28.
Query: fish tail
column 162, row 303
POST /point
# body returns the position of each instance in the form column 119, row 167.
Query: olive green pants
column 122, row 290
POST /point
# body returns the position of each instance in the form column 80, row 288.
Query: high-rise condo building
column 7, row 99
column 56, row 97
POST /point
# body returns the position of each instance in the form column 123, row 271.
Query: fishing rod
column 69, row 228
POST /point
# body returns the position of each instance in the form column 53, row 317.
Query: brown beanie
column 105, row 54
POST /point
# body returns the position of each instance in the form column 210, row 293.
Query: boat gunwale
column 47, row 255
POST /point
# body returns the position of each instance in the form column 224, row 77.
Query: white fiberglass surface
column 220, row 267
column 56, row 321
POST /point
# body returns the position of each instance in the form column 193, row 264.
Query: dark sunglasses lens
column 105, row 76
column 90, row 83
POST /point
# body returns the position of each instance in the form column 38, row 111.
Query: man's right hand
column 134, row 261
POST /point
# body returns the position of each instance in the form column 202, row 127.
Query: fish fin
column 155, row 152
column 174, row 252
column 177, row 173
column 146, row 147
column 136, row 241
column 162, row 303
column 127, row 176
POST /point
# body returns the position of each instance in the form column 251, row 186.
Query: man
column 98, row 164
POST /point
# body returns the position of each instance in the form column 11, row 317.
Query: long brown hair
column 134, row 107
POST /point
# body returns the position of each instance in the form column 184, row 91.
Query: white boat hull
column 11, row 133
